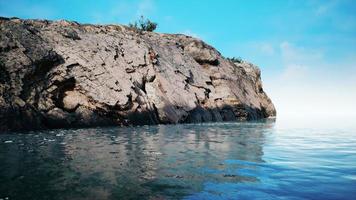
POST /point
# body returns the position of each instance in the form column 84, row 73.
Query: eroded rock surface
column 64, row 74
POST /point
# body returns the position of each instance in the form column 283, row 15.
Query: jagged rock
column 64, row 74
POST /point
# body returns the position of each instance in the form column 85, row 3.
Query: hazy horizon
column 306, row 49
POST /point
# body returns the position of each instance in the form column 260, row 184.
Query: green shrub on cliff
column 144, row 25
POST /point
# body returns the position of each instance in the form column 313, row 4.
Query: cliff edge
column 56, row 74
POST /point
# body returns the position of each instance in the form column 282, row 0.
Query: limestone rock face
column 64, row 74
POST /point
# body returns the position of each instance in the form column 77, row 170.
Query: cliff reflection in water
column 150, row 162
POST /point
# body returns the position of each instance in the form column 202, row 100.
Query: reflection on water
column 206, row 161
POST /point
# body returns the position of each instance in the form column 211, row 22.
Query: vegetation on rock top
column 144, row 25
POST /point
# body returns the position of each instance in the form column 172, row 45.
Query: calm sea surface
column 254, row 160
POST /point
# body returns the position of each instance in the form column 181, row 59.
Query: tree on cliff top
column 144, row 25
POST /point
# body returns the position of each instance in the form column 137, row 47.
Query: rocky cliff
column 63, row 74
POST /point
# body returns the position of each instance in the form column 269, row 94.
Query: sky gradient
column 306, row 49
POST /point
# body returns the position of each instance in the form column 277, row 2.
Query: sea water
column 247, row 160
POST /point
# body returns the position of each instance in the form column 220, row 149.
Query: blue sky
column 306, row 49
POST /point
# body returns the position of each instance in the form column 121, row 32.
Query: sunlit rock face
column 65, row 74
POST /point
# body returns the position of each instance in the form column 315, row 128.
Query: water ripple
column 254, row 160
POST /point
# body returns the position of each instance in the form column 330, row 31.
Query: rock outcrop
column 57, row 74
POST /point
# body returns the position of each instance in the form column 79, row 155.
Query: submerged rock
column 56, row 74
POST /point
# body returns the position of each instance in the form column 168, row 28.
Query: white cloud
column 297, row 61
column 296, row 55
column 294, row 72
column 267, row 48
